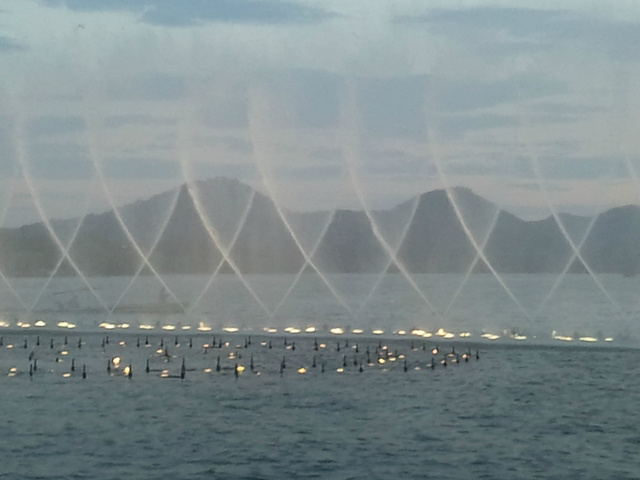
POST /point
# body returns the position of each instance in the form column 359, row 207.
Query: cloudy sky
column 321, row 105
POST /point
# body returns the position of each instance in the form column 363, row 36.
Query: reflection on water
column 481, row 311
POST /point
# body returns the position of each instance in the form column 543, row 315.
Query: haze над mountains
column 426, row 233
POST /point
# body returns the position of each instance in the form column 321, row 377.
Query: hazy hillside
column 426, row 233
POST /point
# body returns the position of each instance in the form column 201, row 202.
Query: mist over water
column 482, row 307
column 431, row 215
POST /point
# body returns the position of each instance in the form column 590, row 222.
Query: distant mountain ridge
column 425, row 233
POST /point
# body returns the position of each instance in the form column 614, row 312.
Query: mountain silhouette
column 243, row 230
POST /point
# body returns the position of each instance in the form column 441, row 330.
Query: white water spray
column 185, row 165
column 5, row 211
column 257, row 142
column 24, row 163
column 390, row 259
column 153, row 246
column 305, row 264
column 431, row 146
column 60, row 261
column 213, row 276
column 116, row 211
column 554, row 212
column 492, row 226
column 349, row 138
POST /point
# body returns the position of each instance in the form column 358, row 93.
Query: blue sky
column 533, row 105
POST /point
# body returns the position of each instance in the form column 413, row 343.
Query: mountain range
column 425, row 234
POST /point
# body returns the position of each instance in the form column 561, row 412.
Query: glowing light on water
column 230, row 329
column 588, row 339
column 337, row 331
column 490, row 336
column 563, row 338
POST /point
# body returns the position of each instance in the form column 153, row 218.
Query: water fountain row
column 350, row 156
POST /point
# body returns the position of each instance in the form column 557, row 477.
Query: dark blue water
column 517, row 412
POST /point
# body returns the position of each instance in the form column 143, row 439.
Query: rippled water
column 517, row 412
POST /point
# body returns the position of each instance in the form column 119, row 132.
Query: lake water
column 532, row 305
column 535, row 408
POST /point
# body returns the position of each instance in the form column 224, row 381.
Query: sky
column 320, row 105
